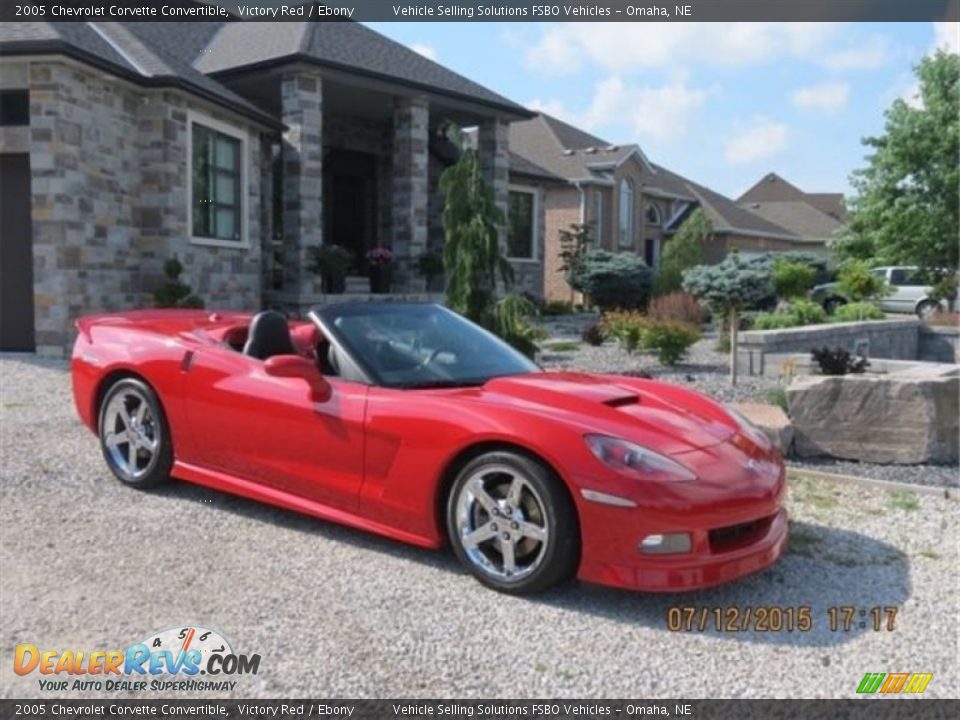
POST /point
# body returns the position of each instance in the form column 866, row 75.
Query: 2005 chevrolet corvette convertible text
column 409, row 421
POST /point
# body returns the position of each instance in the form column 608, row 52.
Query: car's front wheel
column 512, row 524
column 830, row 305
column 133, row 434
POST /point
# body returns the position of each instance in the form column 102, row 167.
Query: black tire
column 830, row 305
column 544, row 505
column 131, row 409
column 926, row 309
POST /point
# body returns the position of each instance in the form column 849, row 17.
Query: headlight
column 630, row 459
column 758, row 436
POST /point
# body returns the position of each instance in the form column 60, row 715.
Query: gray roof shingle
column 127, row 48
column 348, row 46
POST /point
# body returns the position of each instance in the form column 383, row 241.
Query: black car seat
column 269, row 336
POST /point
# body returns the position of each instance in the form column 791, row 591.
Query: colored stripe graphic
column 918, row 682
column 870, row 682
column 894, row 683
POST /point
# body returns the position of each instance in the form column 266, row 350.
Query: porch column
column 411, row 122
column 302, row 114
column 493, row 147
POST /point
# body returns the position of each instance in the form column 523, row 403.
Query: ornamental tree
column 472, row 255
column 728, row 287
column 682, row 252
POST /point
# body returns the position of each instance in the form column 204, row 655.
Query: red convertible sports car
column 407, row 420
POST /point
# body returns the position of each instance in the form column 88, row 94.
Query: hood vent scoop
column 622, row 401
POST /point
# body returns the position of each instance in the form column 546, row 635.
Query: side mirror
column 294, row 366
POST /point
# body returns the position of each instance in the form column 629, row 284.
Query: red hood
column 658, row 415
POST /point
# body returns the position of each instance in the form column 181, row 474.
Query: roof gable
column 772, row 187
column 344, row 45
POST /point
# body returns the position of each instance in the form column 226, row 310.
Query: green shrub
column 808, row 312
column 627, row 327
column 511, row 321
column 613, row 280
column 777, row 396
column 172, row 293
column 858, row 283
column 669, row 340
column 800, row 312
column 792, row 279
column 854, row 312
column 775, row 321
column 557, row 307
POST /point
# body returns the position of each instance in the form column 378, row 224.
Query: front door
column 268, row 429
column 349, row 191
column 16, row 254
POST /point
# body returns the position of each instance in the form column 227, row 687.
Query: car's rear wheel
column 512, row 523
column 133, row 434
column 926, row 309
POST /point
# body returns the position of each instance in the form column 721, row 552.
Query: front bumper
column 734, row 516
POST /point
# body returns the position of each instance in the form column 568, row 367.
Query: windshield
column 406, row 345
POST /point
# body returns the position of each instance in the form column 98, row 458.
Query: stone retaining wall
column 891, row 339
column 939, row 344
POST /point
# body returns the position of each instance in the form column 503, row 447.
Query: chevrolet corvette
column 407, row 420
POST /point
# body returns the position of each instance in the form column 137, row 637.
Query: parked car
column 908, row 292
column 409, row 421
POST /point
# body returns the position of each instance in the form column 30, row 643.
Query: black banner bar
column 482, row 10
column 859, row 709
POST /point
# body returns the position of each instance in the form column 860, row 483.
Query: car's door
column 269, row 429
column 906, row 290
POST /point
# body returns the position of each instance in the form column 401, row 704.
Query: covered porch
column 358, row 166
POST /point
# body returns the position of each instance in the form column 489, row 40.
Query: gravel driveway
column 88, row 564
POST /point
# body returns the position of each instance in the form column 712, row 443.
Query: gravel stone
column 90, row 564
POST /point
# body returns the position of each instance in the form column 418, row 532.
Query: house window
column 653, row 214
column 216, row 185
column 522, row 224
column 626, row 213
column 651, row 252
column 14, row 107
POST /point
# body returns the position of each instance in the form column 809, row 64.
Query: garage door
column 16, row 254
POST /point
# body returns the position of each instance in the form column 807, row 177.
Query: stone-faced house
column 234, row 146
column 630, row 203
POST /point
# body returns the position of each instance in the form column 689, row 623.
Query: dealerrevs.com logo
column 185, row 659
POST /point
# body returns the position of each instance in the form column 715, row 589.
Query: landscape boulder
column 906, row 417
column 773, row 421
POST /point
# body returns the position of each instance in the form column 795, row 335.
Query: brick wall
column 561, row 209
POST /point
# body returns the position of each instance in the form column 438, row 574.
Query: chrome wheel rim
column 501, row 523
column 131, row 434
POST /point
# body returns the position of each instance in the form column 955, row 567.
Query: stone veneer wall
column 411, row 127
column 889, row 339
column 109, row 195
column 301, row 95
